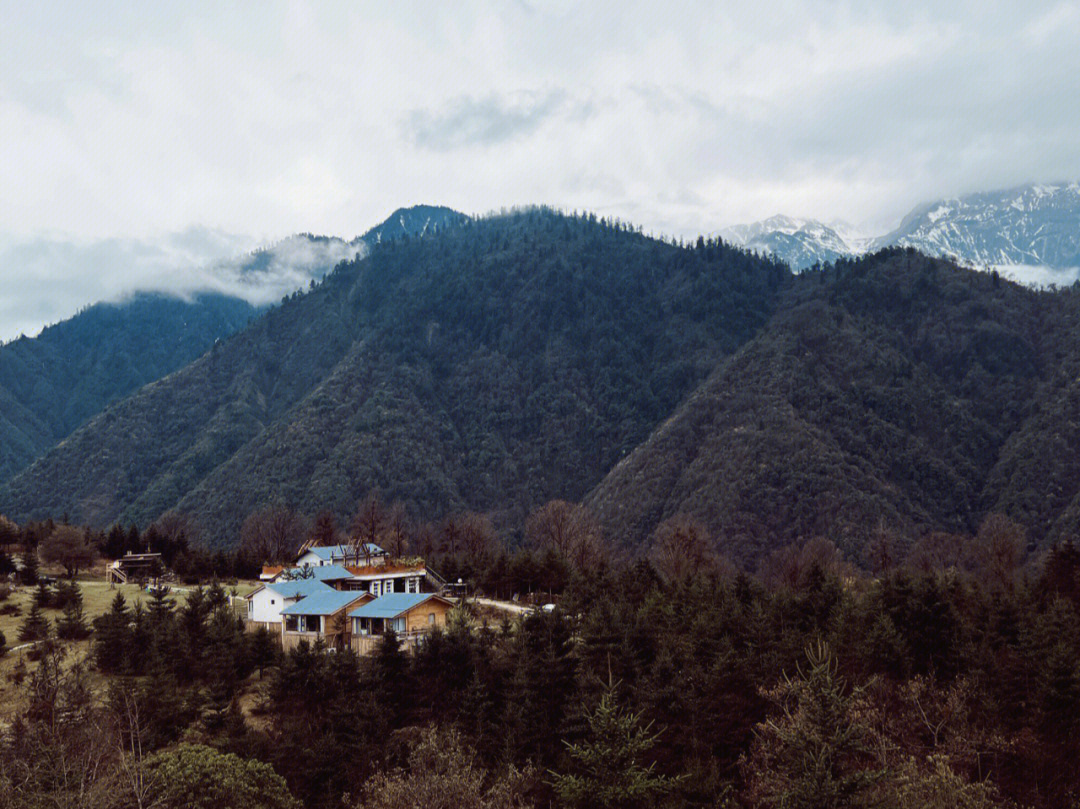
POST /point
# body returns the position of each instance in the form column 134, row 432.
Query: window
column 271, row 601
column 431, row 618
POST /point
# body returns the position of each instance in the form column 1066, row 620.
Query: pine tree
column 72, row 626
column 43, row 595
column 814, row 753
column 29, row 573
column 113, row 636
column 608, row 770
column 35, row 626
column 390, row 675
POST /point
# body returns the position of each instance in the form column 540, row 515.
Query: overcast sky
column 204, row 129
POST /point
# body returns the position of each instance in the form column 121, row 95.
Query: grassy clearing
column 97, row 596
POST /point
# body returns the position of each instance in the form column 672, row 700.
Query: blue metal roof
column 322, row 603
column 320, row 572
column 329, row 552
column 298, row 587
column 390, row 605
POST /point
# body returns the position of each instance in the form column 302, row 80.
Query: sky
column 138, row 140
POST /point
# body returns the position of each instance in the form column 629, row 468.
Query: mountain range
column 1030, row 233
column 498, row 363
column 495, row 364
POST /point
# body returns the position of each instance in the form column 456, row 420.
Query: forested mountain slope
column 894, row 391
column 52, row 383
column 492, row 366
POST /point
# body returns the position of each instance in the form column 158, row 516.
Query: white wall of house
column 265, row 606
column 311, row 559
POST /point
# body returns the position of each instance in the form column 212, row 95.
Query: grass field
column 97, row 596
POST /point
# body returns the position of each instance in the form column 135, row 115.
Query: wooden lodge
column 314, row 600
column 135, row 567
column 320, row 616
column 410, row 615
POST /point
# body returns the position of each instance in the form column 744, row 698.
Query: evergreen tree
column 35, row 626
column 264, row 650
column 607, row 768
column 390, row 670
column 43, row 595
column 223, row 659
column 113, row 636
column 814, row 753
column 72, row 626
column 29, row 573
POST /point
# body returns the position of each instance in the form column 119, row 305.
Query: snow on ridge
column 1034, row 226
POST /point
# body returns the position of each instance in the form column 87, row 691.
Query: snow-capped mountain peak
column 800, row 242
column 1031, row 233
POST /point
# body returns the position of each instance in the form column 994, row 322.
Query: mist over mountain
column 52, row 383
column 1030, row 233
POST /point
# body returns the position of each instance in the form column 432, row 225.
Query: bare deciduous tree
column 273, row 534
column 366, row 526
column 937, row 552
column 67, row 546
column 570, row 530
column 999, row 551
column 175, row 526
column 397, row 531
column 682, row 549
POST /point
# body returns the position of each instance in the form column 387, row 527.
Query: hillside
column 52, row 383
column 894, row 391
column 492, row 366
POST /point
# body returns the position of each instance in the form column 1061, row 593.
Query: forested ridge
column 494, row 366
column 505, row 362
column 52, row 383
column 892, row 392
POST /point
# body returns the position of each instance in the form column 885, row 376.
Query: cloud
column 683, row 117
column 58, row 277
column 486, row 121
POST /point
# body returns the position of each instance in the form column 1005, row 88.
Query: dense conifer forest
column 52, row 383
column 946, row 677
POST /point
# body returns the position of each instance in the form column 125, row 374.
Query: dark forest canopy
column 52, row 383
column 504, row 362
column 939, row 682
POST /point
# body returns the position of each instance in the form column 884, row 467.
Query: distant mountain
column 52, row 383
column 1033, row 225
column 800, row 243
column 419, row 220
column 500, row 363
column 492, row 366
column 1031, row 233
column 893, row 392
